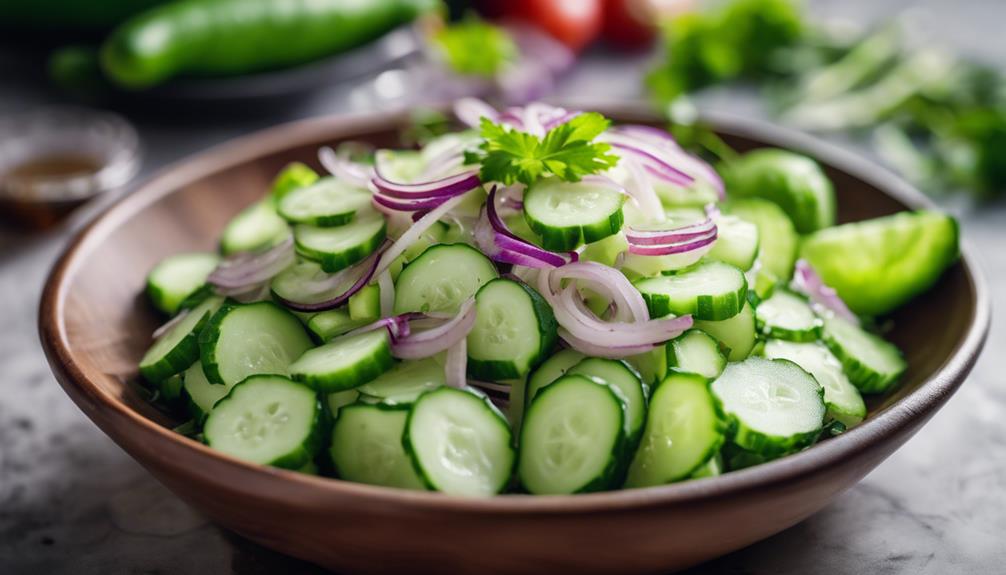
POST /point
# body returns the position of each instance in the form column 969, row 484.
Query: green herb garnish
column 476, row 48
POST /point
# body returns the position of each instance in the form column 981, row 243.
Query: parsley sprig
column 567, row 151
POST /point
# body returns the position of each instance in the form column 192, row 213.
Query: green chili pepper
column 222, row 37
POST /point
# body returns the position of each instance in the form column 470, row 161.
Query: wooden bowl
column 95, row 324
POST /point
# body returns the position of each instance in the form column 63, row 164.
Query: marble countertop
column 71, row 502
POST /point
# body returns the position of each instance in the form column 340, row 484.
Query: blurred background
column 96, row 96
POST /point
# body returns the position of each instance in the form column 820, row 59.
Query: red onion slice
column 437, row 339
column 685, row 246
column 456, row 364
column 398, row 326
column 642, row 192
column 656, row 237
column 413, row 233
column 606, row 281
column 443, row 187
column 408, row 205
column 244, row 271
column 653, row 158
column 387, row 293
column 345, row 169
column 171, row 323
column 500, row 244
column 363, row 272
column 601, row 350
column 808, row 282
column 470, row 111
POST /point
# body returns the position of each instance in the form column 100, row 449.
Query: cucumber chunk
column 367, row 446
column 840, row 397
column 175, row 351
column 567, row 214
column 572, row 438
column 651, row 365
column 550, row 370
column 267, row 419
column 257, row 227
column 712, row 291
column 788, row 316
column 365, row 304
column 777, row 237
column 626, row 384
column 330, row 324
column 774, row 406
column 442, row 278
column 459, row 443
column 326, row 203
column 878, row 265
column 871, row 364
column 345, row 363
column 737, row 334
column 293, row 177
column 695, row 351
column 258, row 338
column 177, row 277
column 340, row 247
column 405, row 382
column 737, row 242
column 683, row 432
column 202, row 395
column 793, row 181
column 514, row 329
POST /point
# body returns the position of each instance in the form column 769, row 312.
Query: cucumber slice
column 567, row 214
column 871, row 364
column 514, row 329
column 202, row 395
column 735, row 458
column 572, row 438
column 878, row 265
column 787, row 316
column 256, row 228
column 651, row 365
column 294, row 176
column 437, row 233
column 459, row 443
column 737, row 242
column 795, row 182
column 518, row 393
column 552, row 369
column 404, row 383
column 169, row 393
column 338, row 248
column 267, row 419
column 712, row 291
column 840, row 397
column 336, row 401
column 330, row 324
column 367, row 446
column 627, row 385
column 177, row 277
column 326, row 203
column 345, row 363
column 442, row 278
column 683, row 432
column 606, row 251
column 777, row 237
column 242, row 340
column 737, row 334
column 365, row 304
column 713, row 468
column 774, row 406
column 175, row 351
column 296, row 283
column 695, row 351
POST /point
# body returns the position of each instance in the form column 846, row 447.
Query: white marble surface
column 71, row 502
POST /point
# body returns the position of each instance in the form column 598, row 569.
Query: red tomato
column 575, row 23
column 628, row 23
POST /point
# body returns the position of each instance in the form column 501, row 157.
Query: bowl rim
column 894, row 419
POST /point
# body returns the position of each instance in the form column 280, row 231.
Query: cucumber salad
column 541, row 302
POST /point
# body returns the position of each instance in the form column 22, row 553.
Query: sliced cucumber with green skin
column 626, row 383
column 365, row 304
column 684, row 431
column 202, row 395
column 326, row 203
column 712, row 291
column 459, row 443
column 840, row 397
column 170, row 393
column 338, row 248
column 793, row 181
column 296, row 282
column 777, row 237
column 788, row 316
column 878, row 265
column 651, row 365
column 735, row 457
column 518, row 393
column 871, row 364
column 336, row 401
column 294, row 176
column 774, row 406
column 437, row 233
column 405, row 382
column 330, row 324
column 267, row 419
column 442, row 278
column 737, row 334
column 572, row 438
column 567, row 214
column 367, row 446
column 247, row 339
column 256, row 228
column 177, row 277
column 514, row 329
column 712, row 468
column 550, row 370
column 695, row 351
column 346, row 362
column 737, row 242
column 175, row 351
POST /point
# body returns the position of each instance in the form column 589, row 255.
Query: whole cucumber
column 226, row 37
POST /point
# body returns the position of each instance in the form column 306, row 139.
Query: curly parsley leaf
column 567, row 151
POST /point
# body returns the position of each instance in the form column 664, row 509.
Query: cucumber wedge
column 737, row 334
column 711, row 291
column 177, row 277
column 777, row 237
column 442, row 278
column 326, row 203
column 788, row 316
column 345, row 363
column 878, row 265
column 695, row 351
column 177, row 349
column 567, row 214
column 340, row 247
column 871, row 364
column 841, row 398
column 367, row 446
column 514, row 329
